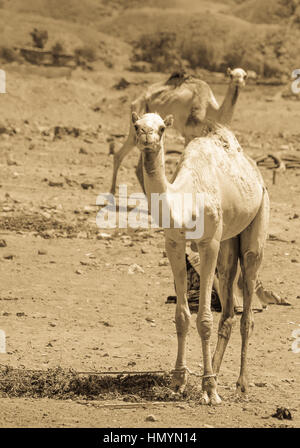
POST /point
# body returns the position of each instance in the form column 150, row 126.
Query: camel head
column 238, row 76
column 149, row 130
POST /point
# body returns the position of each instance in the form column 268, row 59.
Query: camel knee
column 204, row 326
column 251, row 260
column 225, row 327
column 183, row 320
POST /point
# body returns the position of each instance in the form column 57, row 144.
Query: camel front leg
column 127, row 146
column 208, row 252
column 176, row 254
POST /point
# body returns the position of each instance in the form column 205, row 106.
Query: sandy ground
column 66, row 296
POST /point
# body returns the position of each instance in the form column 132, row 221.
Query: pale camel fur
column 236, row 213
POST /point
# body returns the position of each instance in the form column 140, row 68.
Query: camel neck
column 154, row 171
column 227, row 109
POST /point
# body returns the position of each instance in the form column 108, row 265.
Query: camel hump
column 177, row 78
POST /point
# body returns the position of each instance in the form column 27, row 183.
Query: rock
column 86, row 185
column 3, row 243
column 9, row 257
column 83, row 151
column 148, row 319
column 151, row 418
column 282, row 413
column 104, row 236
column 10, row 161
column 88, row 209
column 122, row 84
column 82, row 234
column 42, row 252
column 144, row 250
column 78, row 271
column 284, row 147
column 163, row 262
column 55, row 184
column 20, row 314
column 135, row 268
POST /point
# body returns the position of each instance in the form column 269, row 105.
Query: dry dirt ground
column 67, row 298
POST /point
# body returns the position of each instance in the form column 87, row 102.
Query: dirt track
column 67, row 298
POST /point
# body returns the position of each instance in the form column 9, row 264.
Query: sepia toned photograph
column 150, row 216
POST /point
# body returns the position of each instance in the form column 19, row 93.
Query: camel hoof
column 179, row 381
column 215, row 399
column 204, row 398
column 242, row 392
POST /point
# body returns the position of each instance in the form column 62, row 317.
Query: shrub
column 57, row 48
column 158, row 49
column 9, row 54
column 86, row 53
column 203, row 52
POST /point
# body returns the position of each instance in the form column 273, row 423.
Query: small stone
column 86, row 185
column 144, row 250
column 20, row 314
column 82, row 234
column 9, row 257
column 3, row 243
column 42, row 252
column 104, row 236
column 78, row 271
column 284, row 147
column 294, row 260
column 55, row 184
column 148, row 319
column 151, row 418
column 163, row 262
column 10, row 161
column 135, row 268
column 83, row 151
column 88, row 209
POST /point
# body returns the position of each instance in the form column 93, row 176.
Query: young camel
column 190, row 100
column 236, row 212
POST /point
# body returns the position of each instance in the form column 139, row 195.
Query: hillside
column 203, row 33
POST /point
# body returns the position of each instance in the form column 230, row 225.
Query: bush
column 203, row 52
column 159, row 50
column 57, row 48
column 9, row 55
column 86, row 53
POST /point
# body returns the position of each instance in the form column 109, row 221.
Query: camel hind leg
column 252, row 241
column 227, row 268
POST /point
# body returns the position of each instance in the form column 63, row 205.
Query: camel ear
column 169, row 120
column 229, row 71
column 134, row 117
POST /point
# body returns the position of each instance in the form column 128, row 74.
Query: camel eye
column 161, row 129
column 136, row 127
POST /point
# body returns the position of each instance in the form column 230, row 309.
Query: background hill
column 258, row 35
